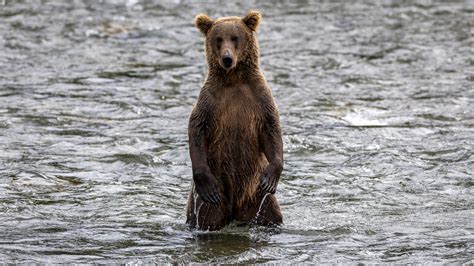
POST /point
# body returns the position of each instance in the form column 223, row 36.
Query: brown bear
column 234, row 131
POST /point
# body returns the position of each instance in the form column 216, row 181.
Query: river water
column 376, row 102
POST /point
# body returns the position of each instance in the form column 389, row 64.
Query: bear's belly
column 235, row 149
column 237, row 160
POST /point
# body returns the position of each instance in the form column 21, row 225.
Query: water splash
column 197, row 209
column 197, row 215
column 195, row 202
column 260, row 207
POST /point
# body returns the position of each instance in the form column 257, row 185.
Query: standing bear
column 234, row 131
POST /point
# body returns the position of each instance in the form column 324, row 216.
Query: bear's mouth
column 227, row 63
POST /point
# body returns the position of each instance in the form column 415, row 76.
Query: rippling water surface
column 376, row 101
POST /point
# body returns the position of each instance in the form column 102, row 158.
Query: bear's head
column 230, row 41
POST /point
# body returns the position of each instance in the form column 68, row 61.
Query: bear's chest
column 237, row 128
column 238, row 109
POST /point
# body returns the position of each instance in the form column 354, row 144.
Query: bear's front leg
column 205, row 182
column 273, row 149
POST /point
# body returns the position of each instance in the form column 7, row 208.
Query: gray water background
column 376, row 102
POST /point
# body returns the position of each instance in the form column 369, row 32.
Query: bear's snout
column 227, row 61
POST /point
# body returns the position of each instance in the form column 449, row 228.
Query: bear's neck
column 243, row 72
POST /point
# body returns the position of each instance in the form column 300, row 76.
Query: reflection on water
column 376, row 106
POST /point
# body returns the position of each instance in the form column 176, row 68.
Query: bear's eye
column 234, row 38
column 219, row 39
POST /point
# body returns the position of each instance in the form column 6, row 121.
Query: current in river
column 376, row 104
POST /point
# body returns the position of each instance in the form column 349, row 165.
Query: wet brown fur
column 234, row 132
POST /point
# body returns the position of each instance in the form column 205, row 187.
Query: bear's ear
column 252, row 19
column 203, row 22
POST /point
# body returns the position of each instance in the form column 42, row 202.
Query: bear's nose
column 227, row 60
